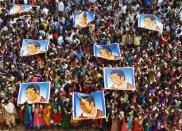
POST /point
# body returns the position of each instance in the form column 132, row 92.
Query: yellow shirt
column 1, row 10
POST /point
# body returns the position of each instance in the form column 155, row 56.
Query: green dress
column 66, row 118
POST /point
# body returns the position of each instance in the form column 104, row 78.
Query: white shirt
column 123, row 9
column 61, row 6
column 25, row 1
column 45, row 10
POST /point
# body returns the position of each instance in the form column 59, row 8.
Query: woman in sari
column 138, row 124
column 10, row 113
column 114, row 126
column 2, row 120
column 20, row 113
column 46, row 115
column 124, row 125
column 66, row 115
column 28, row 118
column 38, row 122
column 56, row 114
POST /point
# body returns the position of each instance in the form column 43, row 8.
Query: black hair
column 34, row 87
column 89, row 99
column 36, row 44
column 118, row 72
column 84, row 14
column 150, row 16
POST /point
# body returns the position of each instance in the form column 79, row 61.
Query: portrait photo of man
column 34, row 48
column 83, row 20
column 106, row 52
column 89, row 110
column 18, row 9
column 150, row 22
column 33, row 94
column 118, row 80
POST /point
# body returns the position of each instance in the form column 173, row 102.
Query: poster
column 34, row 92
column 15, row 9
column 32, row 47
column 89, row 106
column 83, row 19
column 150, row 22
column 110, row 52
column 119, row 78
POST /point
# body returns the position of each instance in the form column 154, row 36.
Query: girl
column 38, row 121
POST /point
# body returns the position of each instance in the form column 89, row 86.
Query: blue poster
column 83, row 19
column 32, row 47
column 119, row 78
column 90, row 106
column 150, row 22
column 34, row 92
column 110, row 52
column 15, row 9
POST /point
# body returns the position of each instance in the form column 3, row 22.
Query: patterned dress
column 38, row 121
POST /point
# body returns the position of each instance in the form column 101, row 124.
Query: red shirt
column 165, row 40
column 55, row 36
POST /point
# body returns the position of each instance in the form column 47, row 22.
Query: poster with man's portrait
column 33, row 47
column 110, row 52
column 83, row 19
column 88, row 106
column 150, row 22
column 34, row 92
column 119, row 78
column 15, row 9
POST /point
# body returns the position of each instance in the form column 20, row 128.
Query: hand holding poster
column 83, row 19
column 119, row 78
column 32, row 47
column 15, row 9
column 34, row 92
column 110, row 52
column 88, row 106
column 150, row 22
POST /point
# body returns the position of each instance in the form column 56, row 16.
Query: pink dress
column 124, row 126
column 114, row 126
column 38, row 121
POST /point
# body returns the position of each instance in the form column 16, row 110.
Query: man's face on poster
column 150, row 22
column 18, row 9
column 86, row 106
column 104, row 53
column 32, row 48
column 31, row 94
column 116, row 79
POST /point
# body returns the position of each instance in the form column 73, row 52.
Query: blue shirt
column 147, row 3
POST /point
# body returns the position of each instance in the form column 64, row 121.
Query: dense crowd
column 70, row 66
